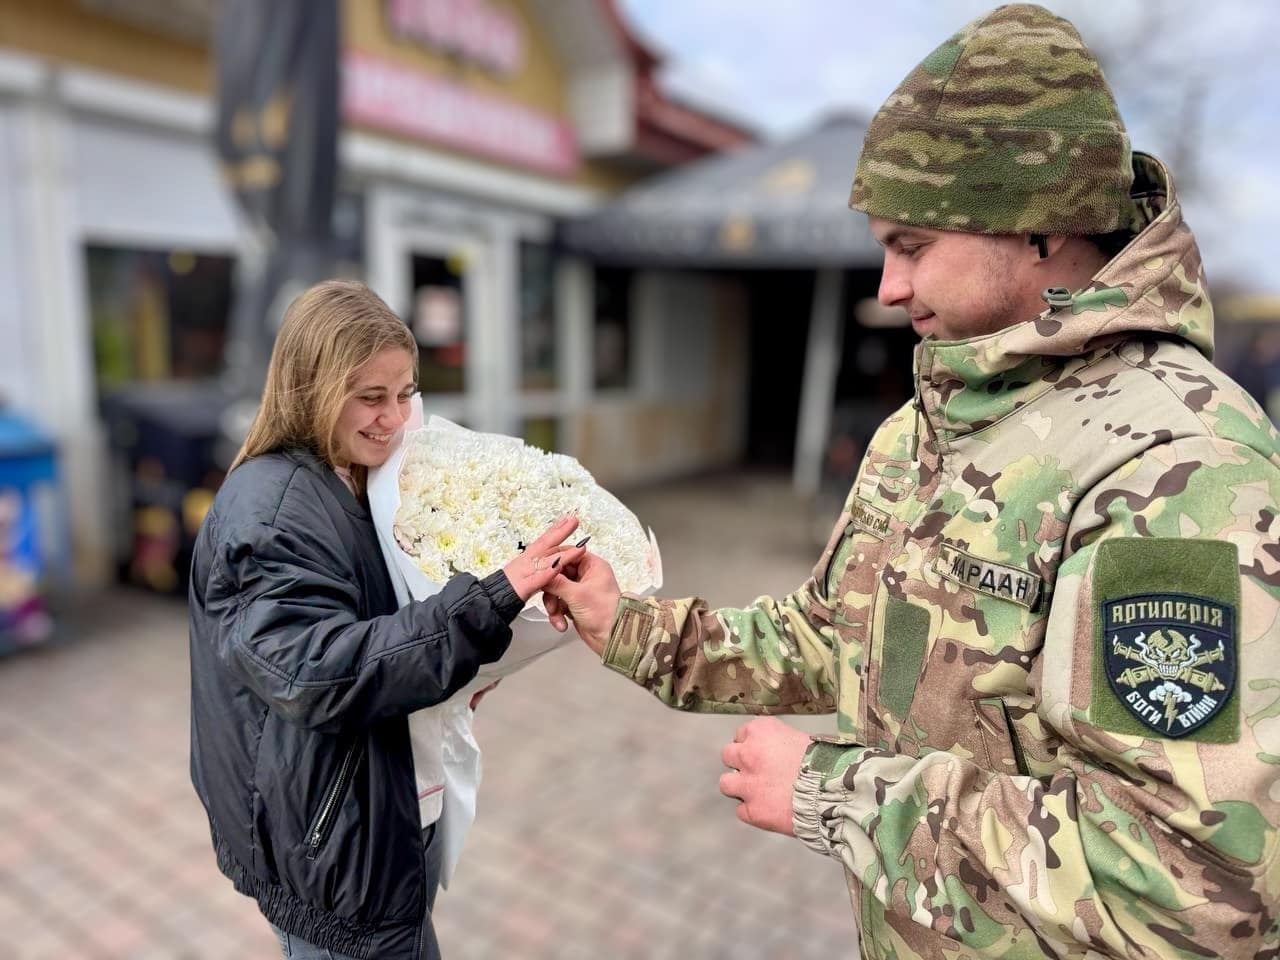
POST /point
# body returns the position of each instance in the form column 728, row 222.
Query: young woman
column 303, row 670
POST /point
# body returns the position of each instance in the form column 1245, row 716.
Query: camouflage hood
column 1154, row 288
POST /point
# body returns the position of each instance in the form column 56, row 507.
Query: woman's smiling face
column 376, row 408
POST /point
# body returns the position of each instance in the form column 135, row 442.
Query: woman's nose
column 392, row 415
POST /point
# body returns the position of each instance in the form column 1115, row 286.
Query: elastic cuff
column 805, row 818
column 502, row 595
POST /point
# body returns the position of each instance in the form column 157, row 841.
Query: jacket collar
column 310, row 461
column 1154, row 287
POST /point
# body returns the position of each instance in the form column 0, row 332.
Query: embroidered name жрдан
column 986, row 576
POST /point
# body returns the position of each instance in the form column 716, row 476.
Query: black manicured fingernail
column 583, row 541
column 555, row 563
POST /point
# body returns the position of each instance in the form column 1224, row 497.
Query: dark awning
column 772, row 205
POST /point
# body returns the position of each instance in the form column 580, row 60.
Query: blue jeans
column 295, row 948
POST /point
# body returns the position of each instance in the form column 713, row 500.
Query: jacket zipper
column 1019, row 758
column 915, row 433
column 328, row 810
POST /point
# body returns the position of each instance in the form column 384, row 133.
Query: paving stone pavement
column 600, row 830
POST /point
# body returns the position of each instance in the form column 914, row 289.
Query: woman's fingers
column 531, row 572
column 554, row 535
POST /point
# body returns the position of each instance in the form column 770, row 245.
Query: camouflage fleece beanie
column 1007, row 127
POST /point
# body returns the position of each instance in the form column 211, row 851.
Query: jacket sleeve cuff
column 819, row 787
column 633, row 622
column 806, row 819
column 502, row 595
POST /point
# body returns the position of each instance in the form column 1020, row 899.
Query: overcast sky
column 1198, row 85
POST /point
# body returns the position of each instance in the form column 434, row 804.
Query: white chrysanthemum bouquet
column 469, row 501
column 449, row 500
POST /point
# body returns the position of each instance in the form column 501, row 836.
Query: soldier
column 1048, row 619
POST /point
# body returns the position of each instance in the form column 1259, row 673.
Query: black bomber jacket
column 303, row 673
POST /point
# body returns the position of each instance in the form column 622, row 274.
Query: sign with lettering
column 474, row 30
column 389, row 96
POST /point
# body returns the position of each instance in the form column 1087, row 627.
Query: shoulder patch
column 1166, row 657
column 1170, row 659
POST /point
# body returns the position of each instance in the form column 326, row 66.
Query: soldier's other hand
column 764, row 761
column 588, row 595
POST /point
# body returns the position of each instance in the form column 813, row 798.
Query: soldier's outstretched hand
column 586, row 593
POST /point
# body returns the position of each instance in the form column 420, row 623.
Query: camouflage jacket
column 1048, row 621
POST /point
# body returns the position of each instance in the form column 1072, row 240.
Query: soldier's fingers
column 731, row 756
column 731, row 785
column 564, row 589
column 741, row 735
column 741, row 812
column 555, row 612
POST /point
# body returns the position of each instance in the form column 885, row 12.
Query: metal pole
column 817, row 390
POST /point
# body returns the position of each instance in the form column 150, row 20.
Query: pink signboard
column 473, row 29
column 388, row 96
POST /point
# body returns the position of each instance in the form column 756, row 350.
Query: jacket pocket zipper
column 329, row 809
column 1019, row 758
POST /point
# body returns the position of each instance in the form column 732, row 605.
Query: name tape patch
column 986, row 576
column 869, row 519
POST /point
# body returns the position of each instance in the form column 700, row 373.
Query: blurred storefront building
column 470, row 128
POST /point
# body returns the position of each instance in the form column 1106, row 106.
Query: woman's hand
column 540, row 562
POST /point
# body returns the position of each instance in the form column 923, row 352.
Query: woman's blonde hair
column 329, row 332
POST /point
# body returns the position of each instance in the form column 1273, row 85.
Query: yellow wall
column 539, row 81
column 66, row 32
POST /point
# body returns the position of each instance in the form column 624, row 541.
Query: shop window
column 612, row 328
column 541, row 432
column 537, row 317
column 439, row 322
column 157, row 315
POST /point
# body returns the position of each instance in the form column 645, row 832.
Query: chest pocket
column 989, row 632
column 849, row 566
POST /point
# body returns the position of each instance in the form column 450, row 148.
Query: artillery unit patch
column 1170, row 659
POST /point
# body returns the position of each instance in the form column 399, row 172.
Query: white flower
column 469, row 500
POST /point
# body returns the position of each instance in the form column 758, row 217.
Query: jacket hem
column 290, row 914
